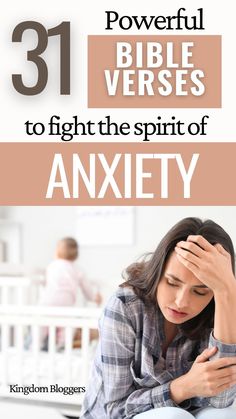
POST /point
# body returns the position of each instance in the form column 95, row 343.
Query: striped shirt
column 129, row 374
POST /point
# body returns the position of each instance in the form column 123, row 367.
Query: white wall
column 43, row 226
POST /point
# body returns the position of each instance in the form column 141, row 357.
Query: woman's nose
column 182, row 299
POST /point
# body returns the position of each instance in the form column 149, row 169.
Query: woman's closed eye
column 196, row 292
column 200, row 293
column 172, row 284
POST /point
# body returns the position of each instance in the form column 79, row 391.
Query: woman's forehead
column 175, row 269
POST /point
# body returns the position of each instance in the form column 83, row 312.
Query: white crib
column 15, row 290
column 45, row 375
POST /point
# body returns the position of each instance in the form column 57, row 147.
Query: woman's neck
column 171, row 331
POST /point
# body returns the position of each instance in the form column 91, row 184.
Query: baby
column 62, row 282
column 63, row 277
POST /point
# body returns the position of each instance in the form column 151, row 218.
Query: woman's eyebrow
column 179, row 280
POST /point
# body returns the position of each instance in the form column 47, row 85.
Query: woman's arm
column 225, row 313
column 123, row 395
column 224, row 398
column 213, row 380
column 212, row 266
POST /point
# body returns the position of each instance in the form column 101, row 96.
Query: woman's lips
column 177, row 314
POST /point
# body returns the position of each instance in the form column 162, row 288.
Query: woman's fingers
column 198, row 245
column 226, row 373
column 189, row 265
column 186, row 254
column 210, row 264
column 223, row 362
column 221, row 250
column 225, row 386
column 202, row 242
column 206, row 354
column 191, row 247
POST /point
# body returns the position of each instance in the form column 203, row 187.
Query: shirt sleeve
column 226, row 398
column 122, row 395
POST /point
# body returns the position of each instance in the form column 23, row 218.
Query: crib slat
column 5, row 294
column 32, row 366
column 35, row 351
column 52, row 353
column 5, row 354
column 20, row 348
column 68, row 354
column 85, row 351
column 20, row 291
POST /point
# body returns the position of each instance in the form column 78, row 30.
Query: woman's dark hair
column 144, row 276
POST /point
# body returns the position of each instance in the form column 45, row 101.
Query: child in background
column 63, row 279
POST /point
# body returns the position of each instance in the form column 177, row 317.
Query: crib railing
column 14, row 289
column 19, row 322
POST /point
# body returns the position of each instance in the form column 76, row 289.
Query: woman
column 168, row 337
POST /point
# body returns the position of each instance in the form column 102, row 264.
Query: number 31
column 35, row 56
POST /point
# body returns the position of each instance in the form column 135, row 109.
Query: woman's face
column 180, row 295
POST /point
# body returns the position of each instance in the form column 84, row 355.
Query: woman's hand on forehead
column 195, row 244
column 200, row 241
column 211, row 264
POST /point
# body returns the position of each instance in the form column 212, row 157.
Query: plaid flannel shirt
column 129, row 375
